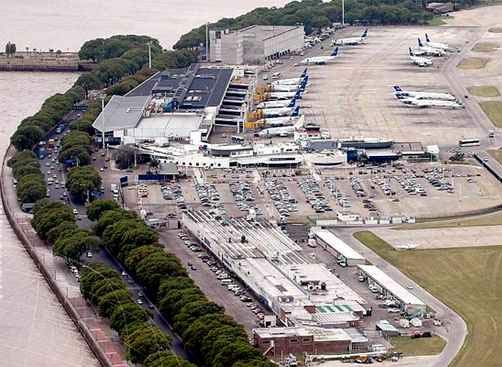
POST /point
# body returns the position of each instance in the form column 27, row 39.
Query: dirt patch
column 493, row 110
column 472, row 63
column 486, row 47
column 484, row 91
column 495, row 30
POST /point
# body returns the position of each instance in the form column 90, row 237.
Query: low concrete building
column 274, row 342
column 255, row 44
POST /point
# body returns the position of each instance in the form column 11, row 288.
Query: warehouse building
column 256, row 44
column 410, row 303
column 297, row 289
column 338, row 247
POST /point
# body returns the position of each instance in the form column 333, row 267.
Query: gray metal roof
column 121, row 113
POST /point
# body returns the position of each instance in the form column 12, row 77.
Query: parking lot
column 218, row 285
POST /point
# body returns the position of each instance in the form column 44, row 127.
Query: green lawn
column 469, row 280
column 437, row 21
column 471, row 63
column 493, row 110
column 418, row 347
column 484, row 91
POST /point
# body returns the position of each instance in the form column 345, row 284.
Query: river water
column 33, row 329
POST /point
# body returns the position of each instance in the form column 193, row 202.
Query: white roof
column 312, row 273
column 319, row 334
column 337, row 244
column 168, row 125
column 121, row 113
column 391, row 285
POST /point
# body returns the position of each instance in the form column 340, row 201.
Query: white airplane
column 320, row 60
column 351, row 41
column 420, row 60
column 283, row 130
column 284, row 95
column 439, row 45
column 279, row 121
column 288, row 87
column 280, row 112
column 277, row 104
column 404, row 94
column 292, row 81
column 429, row 51
column 428, row 103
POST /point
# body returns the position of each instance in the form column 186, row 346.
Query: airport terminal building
column 256, row 44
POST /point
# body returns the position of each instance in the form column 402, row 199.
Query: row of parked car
column 315, row 197
column 283, row 201
column 222, row 275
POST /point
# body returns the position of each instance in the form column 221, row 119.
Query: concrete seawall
column 9, row 204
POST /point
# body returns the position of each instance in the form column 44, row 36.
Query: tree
column 98, row 207
column 111, row 300
column 124, row 157
column 31, row 188
column 126, row 315
column 64, row 227
column 49, row 214
column 10, row 49
column 146, row 339
column 81, row 181
column 165, row 359
column 26, row 137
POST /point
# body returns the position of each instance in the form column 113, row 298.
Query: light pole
column 343, row 13
column 103, row 115
column 149, row 54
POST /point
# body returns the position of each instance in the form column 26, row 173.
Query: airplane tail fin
column 427, row 38
column 420, row 44
column 335, row 52
column 365, row 33
column 300, row 122
column 296, row 111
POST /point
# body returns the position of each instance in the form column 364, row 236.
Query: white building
column 255, row 44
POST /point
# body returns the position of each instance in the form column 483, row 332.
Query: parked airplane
column 428, row 42
column 288, row 87
column 292, row 81
column 429, row 51
column 283, row 130
column 279, row 112
column 277, row 104
column 420, row 60
column 427, row 103
column 278, row 121
column 284, row 95
column 320, row 60
column 352, row 40
column 404, row 94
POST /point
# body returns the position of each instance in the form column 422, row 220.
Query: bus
column 469, row 143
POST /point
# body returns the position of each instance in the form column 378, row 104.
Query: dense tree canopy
column 81, row 181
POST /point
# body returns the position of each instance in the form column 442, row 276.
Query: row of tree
column 10, row 49
column 316, row 14
column 145, row 342
column 35, row 128
column 212, row 337
column 31, row 185
column 55, row 223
